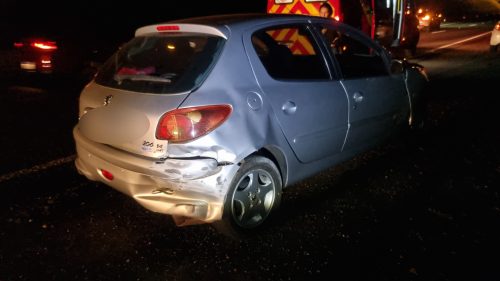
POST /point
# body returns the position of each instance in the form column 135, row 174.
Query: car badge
column 107, row 100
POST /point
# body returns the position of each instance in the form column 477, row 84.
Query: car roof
column 229, row 19
column 221, row 23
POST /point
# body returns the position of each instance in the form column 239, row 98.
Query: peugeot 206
column 210, row 119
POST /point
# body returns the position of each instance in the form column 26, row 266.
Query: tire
column 419, row 115
column 419, row 124
column 410, row 51
column 413, row 51
column 254, row 194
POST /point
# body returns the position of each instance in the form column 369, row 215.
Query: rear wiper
column 141, row 77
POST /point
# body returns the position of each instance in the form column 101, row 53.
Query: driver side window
column 355, row 58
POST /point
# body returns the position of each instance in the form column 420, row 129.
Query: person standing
column 326, row 10
column 366, row 19
column 331, row 36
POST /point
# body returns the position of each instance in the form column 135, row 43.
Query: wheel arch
column 278, row 157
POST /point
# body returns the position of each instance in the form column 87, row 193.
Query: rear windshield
column 163, row 63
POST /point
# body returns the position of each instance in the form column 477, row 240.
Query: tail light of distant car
column 44, row 45
column 186, row 124
column 38, row 45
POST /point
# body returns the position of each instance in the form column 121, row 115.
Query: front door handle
column 358, row 97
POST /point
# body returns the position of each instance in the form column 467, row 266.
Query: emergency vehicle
column 392, row 23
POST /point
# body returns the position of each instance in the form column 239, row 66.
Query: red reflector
column 107, row 175
column 167, row 28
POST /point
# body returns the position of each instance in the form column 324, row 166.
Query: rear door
column 294, row 75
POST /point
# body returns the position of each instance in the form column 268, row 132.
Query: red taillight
column 45, row 45
column 18, row 44
column 187, row 124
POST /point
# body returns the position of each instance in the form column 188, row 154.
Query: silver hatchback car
column 209, row 119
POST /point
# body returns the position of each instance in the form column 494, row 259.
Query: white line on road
column 37, row 168
column 460, row 42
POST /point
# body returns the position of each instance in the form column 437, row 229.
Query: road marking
column 459, row 42
column 38, row 168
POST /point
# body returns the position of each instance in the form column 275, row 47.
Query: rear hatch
column 146, row 78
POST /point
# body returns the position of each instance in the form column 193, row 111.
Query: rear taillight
column 186, row 124
column 497, row 26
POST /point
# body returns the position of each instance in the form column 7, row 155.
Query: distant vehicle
column 48, row 55
column 36, row 54
column 58, row 55
column 495, row 37
column 429, row 20
column 209, row 119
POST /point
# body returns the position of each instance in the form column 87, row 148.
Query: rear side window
column 163, row 63
column 289, row 52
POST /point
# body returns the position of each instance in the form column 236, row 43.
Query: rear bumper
column 191, row 190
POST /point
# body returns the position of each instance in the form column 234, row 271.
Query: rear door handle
column 289, row 107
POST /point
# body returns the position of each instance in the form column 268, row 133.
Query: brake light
column 187, row 124
column 46, row 45
column 167, row 28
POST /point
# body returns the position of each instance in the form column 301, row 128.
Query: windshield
column 163, row 63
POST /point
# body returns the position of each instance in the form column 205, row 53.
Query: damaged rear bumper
column 192, row 190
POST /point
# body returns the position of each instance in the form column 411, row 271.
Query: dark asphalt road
column 422, row 207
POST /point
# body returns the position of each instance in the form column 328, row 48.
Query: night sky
column 94, row 13
column 105, row 19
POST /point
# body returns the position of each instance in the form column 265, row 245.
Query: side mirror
column 397, row 66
